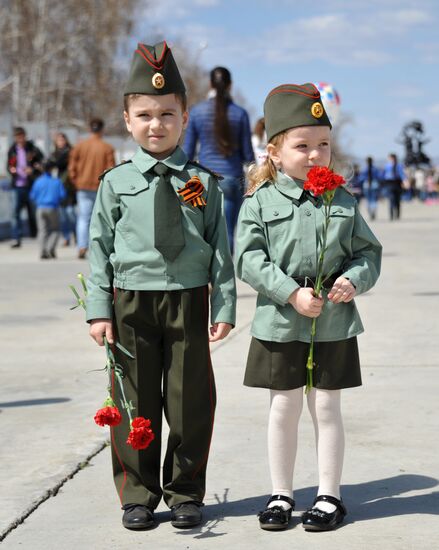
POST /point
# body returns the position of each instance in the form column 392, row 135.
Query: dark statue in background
column 413, row 140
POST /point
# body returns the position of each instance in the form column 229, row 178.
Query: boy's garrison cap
column 292, row 105
column 154, row 72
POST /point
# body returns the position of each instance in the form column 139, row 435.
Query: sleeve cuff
column 223, row 314
column 355, row 280
column 285, row 290
column 102, row 309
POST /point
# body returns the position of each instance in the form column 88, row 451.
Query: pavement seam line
column 53, row 491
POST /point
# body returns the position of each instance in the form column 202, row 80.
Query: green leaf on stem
column 125, row 351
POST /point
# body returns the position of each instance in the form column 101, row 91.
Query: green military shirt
column 278, row 239
column 122, row 252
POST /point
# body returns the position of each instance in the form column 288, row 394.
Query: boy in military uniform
column 157, row 239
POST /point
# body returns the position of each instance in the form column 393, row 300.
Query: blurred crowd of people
column 394, row 182
column 58, row 192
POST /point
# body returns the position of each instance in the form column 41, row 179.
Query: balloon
column 330, row 100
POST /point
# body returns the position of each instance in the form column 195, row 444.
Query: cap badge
column 317, row 110
column 158, row 81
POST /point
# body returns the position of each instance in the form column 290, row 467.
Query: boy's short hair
column 129, row 98
column 48, row 166
column 19, row 131
column 96, row 125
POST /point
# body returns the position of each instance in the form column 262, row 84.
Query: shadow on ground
column 371, row 500
column 33, row 402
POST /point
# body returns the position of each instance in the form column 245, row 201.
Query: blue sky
column 380, row 55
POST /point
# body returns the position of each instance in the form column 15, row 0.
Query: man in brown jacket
column 87, row 160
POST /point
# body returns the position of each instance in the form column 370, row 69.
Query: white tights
column 285, row 411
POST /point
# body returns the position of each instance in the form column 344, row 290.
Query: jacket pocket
column 276, row 212
column 342, row 211
column 125, row 188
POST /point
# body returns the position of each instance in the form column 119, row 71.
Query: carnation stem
column 310, row 360
column 327, row 201
column 111, row 366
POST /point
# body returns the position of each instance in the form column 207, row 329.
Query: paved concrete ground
column 48, row 398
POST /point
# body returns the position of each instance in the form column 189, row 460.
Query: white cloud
column 206, row 3
column 434, row 109
column 361, row 34
column 167, row 11
column 360, row 39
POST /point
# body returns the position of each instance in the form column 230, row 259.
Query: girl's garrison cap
column 292, row 105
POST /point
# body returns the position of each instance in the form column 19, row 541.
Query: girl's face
column 301, row 149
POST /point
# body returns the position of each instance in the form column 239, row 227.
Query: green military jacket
column 278, row 239
column 122, row 252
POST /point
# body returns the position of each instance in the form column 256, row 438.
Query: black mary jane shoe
column 186, row 515
column 318, row 520
column 137, row 516
column 275, row 518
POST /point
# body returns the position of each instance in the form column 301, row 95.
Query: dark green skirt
column 282, row 365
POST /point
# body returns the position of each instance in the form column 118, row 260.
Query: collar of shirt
column 288, row 186
column 143, row 161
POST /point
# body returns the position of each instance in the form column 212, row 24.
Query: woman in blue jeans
column 219, row 135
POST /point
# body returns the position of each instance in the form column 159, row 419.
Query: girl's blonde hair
column 265, row 171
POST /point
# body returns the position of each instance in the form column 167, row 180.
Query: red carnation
column 321, row 179
column 108, row 416
column 141, row 434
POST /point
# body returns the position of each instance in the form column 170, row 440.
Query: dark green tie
column 168, row 228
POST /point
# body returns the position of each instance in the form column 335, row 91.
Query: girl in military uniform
column 277, row 253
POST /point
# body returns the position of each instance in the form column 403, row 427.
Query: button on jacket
column 278, row 238
column 122, row 252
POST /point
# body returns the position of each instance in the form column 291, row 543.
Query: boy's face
column 301, row 149
column 156, row 123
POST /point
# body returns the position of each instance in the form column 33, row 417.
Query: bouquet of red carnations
column 141, row 434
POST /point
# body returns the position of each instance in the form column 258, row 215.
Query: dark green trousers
column 167, row 332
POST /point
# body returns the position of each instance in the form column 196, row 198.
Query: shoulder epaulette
column 253, row 190
column 208, row 170
column 102, row 176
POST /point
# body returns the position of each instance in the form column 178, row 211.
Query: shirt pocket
column 340, row 231
column 123, row 188
column 274, row 214
column 338, row 211
column 136, row 203
column 278, row 220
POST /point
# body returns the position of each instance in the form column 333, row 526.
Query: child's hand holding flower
column 305, row 303
column 100, row 328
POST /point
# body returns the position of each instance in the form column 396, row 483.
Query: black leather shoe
column 185, row 515
column 275, row 518
column 318, row 520
column 137, row 516
column 17, row 244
